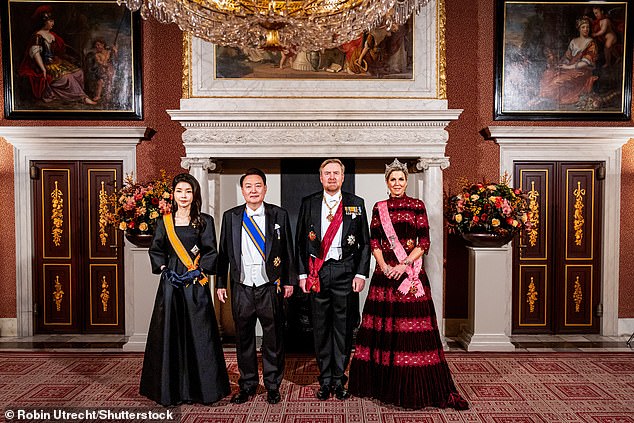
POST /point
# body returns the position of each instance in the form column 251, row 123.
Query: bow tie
column 259, row 212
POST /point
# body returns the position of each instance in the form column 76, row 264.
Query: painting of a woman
column 573, row 76
column 51, row 73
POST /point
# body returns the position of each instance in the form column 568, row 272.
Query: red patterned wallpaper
column 470, row 35
column 470, row 66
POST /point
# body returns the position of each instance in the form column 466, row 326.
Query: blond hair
column 328, row 161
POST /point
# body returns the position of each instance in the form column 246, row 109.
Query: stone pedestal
column 490, row 276
column 141, row 286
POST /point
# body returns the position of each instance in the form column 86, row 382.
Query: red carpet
column 501, row 387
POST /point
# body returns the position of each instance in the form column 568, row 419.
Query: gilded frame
column 550, row 67
column 95, row 56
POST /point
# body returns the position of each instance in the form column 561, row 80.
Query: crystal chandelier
column 278, row 24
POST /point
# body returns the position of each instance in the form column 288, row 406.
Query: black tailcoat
column 335, row 309
column 264, row 302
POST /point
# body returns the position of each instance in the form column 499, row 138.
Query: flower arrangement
column 493, row 208
column 136, row 207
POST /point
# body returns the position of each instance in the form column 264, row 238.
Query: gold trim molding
column 187, row 60
column 442, row 51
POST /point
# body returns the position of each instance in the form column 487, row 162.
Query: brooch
column 351, row 240
column 410, row 243
column 195, row 250
column 276, row 261
column 312, row 235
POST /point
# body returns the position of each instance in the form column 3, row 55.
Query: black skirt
column 183, row 360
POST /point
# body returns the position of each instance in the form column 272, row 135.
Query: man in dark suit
column 256, row 244
column 333, row 262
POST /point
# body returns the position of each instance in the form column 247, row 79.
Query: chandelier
column 278, row 24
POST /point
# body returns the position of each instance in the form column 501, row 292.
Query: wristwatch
column 407, row 262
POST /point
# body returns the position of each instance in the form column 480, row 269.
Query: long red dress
column 398, row 357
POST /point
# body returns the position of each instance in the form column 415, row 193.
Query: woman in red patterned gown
column 398, row 356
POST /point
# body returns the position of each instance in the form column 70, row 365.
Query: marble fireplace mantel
column 269, row 128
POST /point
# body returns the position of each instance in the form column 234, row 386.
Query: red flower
column 155, row 201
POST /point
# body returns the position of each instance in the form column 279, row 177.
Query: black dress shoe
column 242, row 396
column 341, row 393
column 273, row 396
column 324, row 392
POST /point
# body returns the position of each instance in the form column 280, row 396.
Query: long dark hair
column 194, row 214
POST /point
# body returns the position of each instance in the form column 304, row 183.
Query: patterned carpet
column 501, row 387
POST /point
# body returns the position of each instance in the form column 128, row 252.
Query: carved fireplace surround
column 347, row 128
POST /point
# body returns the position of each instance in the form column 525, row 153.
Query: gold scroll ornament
column 103, row 214
column 58, row 294
column 531, row 296
column 577, row 296
column 105, row 294
column 57, row 215
column 533, row 206
column 579, row 193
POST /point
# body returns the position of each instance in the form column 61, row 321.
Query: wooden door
column 556, row 272
column 77, row 265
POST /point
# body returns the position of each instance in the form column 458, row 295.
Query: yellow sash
column 178, row 246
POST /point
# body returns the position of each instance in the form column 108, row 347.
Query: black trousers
column 335, row 316
column 263, row 303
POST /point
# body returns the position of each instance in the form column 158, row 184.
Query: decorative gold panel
column 57, row 215
column 531, row 296
column 578, row 302
column 58, row 294
column 103, row 214
column 577, row 296
column 105, row 294
column 533, row 206
column 579, row 221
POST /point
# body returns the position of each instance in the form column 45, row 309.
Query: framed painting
column 376, row 54
column 405, row 62
column 563, row 60
column 71, row 60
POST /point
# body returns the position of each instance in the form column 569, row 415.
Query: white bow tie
column 252, row 213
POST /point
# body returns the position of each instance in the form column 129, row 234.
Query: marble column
column 430, row 189
column 199, row 167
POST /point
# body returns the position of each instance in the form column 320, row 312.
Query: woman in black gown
column 183, row 361
column 398, row 356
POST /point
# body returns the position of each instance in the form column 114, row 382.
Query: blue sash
column 254, row 232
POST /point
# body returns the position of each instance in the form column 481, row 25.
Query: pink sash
column 412, row 282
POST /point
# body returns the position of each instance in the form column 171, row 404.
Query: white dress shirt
column 253, row 266
column 335, row 248
column 333, row 202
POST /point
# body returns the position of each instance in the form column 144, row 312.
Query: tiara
column 394, row 166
